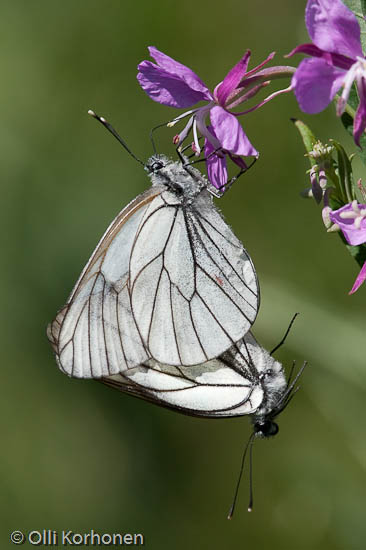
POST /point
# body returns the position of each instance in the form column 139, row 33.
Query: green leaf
column 307, row 136
column 359, row 9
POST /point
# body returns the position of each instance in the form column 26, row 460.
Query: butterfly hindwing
column 95, row 334
column 227, row 386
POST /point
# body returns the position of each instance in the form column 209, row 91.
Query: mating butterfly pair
column 163, row 308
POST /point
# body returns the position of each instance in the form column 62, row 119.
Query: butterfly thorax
column 184, row 181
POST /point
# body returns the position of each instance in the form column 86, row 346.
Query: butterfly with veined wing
column 163, row 308
column 168, row 281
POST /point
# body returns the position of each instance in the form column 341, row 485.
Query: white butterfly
column 246, row 379
column 169, row 281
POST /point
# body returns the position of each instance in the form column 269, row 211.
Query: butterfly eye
column 157, row 165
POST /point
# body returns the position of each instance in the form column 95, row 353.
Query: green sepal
column 307, row 137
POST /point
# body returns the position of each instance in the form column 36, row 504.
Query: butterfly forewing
column 193, row 287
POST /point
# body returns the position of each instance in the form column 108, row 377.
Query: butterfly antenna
column 250, row 505
column 232, row 507
column 110, row 128
column 152, row 135
column 286, row 334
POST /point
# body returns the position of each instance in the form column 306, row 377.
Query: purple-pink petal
column 230, row 134
column 216, row 165
column 333, row 27
column 353, row 235
column 165, row 88
column 256, row 69
column 180, row 71
column 232, row 79
column 336, row 59
column 238, row 161
column 361, row 277
column 315, row 83
column 315, row 187
column 359, row 123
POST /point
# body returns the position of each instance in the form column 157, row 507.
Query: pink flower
column 336, row 61
column 175, row 85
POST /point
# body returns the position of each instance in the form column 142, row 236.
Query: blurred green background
column 78, row 455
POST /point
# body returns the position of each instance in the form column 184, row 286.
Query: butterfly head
column 185, row 183
column 156, row 163
column 265, row 428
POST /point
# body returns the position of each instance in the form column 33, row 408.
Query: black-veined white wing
column 193, row 286
column 234, row 384
column 169, row 281
column 95, row 334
